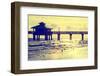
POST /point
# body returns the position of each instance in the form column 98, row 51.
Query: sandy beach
column 51, row 50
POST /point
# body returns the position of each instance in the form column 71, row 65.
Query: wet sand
column 53, row 50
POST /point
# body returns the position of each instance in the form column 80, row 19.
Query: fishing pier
column 41, row 29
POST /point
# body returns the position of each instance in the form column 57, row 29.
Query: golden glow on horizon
column 62, row 23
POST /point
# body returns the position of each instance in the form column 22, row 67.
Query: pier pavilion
column 41, row 29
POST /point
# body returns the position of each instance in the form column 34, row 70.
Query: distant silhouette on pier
column 41, row 29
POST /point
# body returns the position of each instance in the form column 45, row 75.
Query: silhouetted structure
column 41, row 29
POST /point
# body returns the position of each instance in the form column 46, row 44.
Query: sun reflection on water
column 54, row 49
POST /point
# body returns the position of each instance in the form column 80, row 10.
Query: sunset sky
column 64, row 23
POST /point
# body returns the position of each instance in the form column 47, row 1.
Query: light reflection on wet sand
column 51, row 50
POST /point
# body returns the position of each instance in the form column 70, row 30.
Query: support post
column 46, row 37
column 51, row 37
column 33, row 37
column 82, row 36
column 38, row 37
column 70, row 36
column 59, row 36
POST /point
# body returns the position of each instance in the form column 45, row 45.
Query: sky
column 62, row 23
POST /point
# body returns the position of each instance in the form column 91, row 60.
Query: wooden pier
column 82, row 33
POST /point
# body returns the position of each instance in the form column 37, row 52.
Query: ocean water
column 58, row 49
